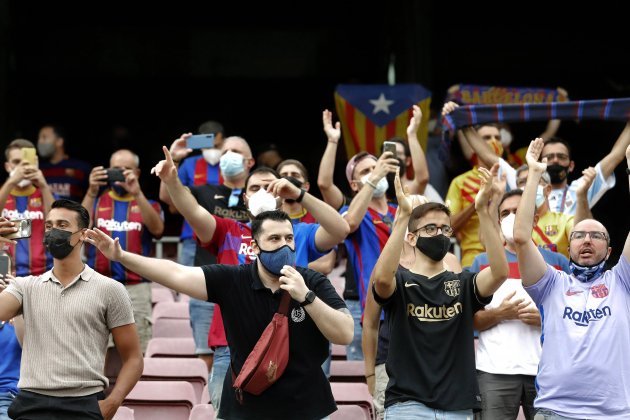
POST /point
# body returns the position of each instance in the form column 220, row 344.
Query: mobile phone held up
column 5, row 265
column 115, row 174
column 23, row 229
column 200, row 141
column 390, row 146
column 29, row 154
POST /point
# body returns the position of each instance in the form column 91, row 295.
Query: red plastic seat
column 339, row 352
column 205, row 395
column 171, row 347
column 194, row 371
column 353, row 393
column 172, row 309
column 202, row 412
column 172, row 327
column 351, row 412
column 161, row 400
column 161, row 294
column 124, row 413
column 347, row 371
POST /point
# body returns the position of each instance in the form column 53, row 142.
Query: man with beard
column 583, row 370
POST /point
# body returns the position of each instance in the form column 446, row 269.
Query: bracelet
column 370, row 183
column 367, row 376
column 301, row 196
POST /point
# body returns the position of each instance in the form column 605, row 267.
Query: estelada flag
column 371, row 114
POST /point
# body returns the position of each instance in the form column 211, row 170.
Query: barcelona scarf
column 371, row 114
column 487, row 95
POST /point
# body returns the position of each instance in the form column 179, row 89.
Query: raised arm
column 200, row 219
column 179, row 152
column 150, row 216
column 490, row 278
column 36, row 176
column 188, row 280
column 418, row 160
column 615, row 157
column 330, row 192
column 582, row 209
column 369, row 336
column 626, row 247
column 9, row 305
column 97, row 179
column 530, row 262
column 387, row 264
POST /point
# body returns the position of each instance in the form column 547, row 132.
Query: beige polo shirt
column 66, row 331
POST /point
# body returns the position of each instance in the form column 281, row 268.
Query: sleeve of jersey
column 509, row 172
column 478, row 302
column 386, row 301
column 157, row 208
column 16, row 288
column 119, row 307
column 323, row 288
column 622, row 272
column 222, row 227
column 453, row 197
column 599, row 187
column 185, row 172
column 542, row 288
column 307, row 232
column 220, row 280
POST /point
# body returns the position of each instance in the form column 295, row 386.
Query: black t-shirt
column 247, row 306
column 215, row 199
column 431, row 350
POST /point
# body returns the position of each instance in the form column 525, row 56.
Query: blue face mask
column 586, row 273
column 231, row 164
column 273, row 261
column 540, row 196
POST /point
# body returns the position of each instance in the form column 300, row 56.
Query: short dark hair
column 83, row 217
column 297, row 163
column 274, row 215
column 423, row 209
column 259, row 170
column 553, row 140
column 399, row 140
column 495, row 125
column 210, row 127
column 507, row 195
column 17, row 144
column 57, row 129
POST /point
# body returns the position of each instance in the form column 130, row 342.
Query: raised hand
column 405, row 201
column 449, row 107
column 533, row 154
column 485, row 191
column 385, row 164
column 293, row 282
column 98, row 178
column 178, row 148
column 131, row 183
column 332, row 132
column 166, row 169
column 588, row 176
column 108, row 246
column 283, row 188
column 6, row 228
column 414, row 122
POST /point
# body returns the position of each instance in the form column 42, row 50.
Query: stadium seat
column 171, row 319
column 194, row 371
column 161, row 294
column 161, row 400
column 339, row 352
column 202, row 412
column 205, row 396
column 171, row 347
column 347, row 371
column 350, row 412
column 124, row 413
column 182, row 298
column 172, row 309
column 353, row 393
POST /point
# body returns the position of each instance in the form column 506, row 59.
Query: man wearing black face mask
column 69, row 313
column 431, row 361
column 249, row 294
column 122, row 210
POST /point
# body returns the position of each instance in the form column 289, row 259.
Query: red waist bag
column 269, row 358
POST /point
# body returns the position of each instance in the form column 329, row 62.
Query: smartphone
column 5, row 265
column 390, row 146
column 200, row 141
column 115, row 174
column 23, row 229
column 29, row 154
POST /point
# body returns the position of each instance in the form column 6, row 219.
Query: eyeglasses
column 580, row 235
column 432, row 229
column 560, row 156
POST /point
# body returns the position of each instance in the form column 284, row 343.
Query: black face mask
column 57, row 242
column 557, row 173
column 434, row 247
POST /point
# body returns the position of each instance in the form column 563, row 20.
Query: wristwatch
column 309, row 298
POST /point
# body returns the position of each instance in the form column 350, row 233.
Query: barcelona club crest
column 451, row 287
column 551, row 230
column 599, row 291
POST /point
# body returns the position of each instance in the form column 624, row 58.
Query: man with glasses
column 583, row 371
column 431, row 361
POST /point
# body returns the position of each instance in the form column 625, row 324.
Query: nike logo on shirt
column 411, row 284
column 573, row 292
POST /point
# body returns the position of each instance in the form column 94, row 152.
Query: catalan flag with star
column 371, row 114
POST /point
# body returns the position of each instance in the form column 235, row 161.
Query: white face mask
column 23, row 183
column 261, row 201
column 381, row 187
column 506, row 137
column 540, row 196
column 212, row 156
column 507, row 227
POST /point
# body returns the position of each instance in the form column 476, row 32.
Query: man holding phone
column 26, row 195
column 122, row 210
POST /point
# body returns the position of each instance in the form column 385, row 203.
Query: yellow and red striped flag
column 370, row 114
